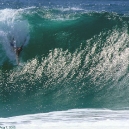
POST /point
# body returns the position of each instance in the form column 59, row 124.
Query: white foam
column 71, row 119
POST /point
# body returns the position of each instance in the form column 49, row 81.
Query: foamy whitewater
column 72, row 119
column 73, row 71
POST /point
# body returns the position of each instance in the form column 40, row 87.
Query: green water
column 71, row 60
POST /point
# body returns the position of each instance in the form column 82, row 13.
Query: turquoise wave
column 72, row 59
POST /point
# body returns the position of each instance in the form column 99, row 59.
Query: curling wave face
column 69, row 61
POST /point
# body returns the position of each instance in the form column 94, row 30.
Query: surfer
column 17, row 50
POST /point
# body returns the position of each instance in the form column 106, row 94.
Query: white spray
column 12, row 25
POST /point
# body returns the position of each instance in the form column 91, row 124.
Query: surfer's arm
column 12, row 44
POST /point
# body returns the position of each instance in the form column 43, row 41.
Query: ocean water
column 73, row 70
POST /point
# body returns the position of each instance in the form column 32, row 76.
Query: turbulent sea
column 74, row 67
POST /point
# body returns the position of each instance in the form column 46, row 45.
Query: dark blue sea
column 74, row 67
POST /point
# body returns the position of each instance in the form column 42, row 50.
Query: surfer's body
column 16, row 49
